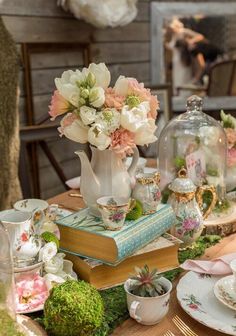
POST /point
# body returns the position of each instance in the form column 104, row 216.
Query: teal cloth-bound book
column 84, row 234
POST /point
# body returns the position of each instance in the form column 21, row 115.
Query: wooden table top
column 130, row 326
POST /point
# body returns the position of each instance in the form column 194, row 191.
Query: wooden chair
column 222, row 81
column 35, row 129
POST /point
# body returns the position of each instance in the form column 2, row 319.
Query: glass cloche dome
column 197, row 142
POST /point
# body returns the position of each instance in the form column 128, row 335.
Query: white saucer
column 225, row 293
column 32, row 267
column 74, row 183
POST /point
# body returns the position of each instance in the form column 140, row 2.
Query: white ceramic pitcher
column 24, row 243
column 105, row 175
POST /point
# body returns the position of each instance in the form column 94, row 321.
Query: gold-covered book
column 162, row 253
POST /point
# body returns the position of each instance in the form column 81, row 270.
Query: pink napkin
column 216, row 266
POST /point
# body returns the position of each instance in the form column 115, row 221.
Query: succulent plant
column 146, row 283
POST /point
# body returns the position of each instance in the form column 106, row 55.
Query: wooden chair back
column 222, row 79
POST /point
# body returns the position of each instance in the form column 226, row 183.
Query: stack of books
column 107, row 258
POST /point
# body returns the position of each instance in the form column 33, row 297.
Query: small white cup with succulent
column 148, row 296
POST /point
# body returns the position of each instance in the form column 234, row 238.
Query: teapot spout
column 87, row 173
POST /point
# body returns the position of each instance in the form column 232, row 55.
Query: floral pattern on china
column 187, row 203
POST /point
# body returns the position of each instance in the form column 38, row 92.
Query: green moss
column 179, row 162
column 136, row 212
column 221, row 206
column 115, row 309
column 74, row 308
column 50, row 237
column 114, row 299
column 8, row 326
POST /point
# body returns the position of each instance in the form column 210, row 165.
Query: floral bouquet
column 229, row 124
column 117, row 118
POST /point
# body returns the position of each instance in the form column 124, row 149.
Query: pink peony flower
column 59, row 105
column 113, row 100
column 231, row 157
column 31, row 292
column 138, row 89
column 231, row 136
column 122, row 142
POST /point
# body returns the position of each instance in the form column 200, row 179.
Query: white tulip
column 47, row 252
column 97, row 97
column 109, row 119
column 75, row 130
column 98, row 138
column 133, row 119
column 145, row 133
column 121, row 86
column 87, row 114
column 101, row 73
column 67, row 86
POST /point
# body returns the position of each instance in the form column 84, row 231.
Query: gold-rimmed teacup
column 114, row 210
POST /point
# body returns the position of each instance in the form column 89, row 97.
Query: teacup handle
column 133, row 307
column 38, row 223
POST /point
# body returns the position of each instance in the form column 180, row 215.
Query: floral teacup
column 24, row 243
column 38, row 209
column 114, row 210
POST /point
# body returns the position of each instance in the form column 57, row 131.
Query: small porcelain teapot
column 187, row 203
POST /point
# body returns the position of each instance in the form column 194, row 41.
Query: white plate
column 224, row 291
column 33, row 310
column 74, row 183
column 196, row 296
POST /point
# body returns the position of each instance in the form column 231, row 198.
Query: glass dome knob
column 194, row 103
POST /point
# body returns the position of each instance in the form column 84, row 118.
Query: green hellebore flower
column 132, row 101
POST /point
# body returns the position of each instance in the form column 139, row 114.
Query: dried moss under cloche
column 74, row 308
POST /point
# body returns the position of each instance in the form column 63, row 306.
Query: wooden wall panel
column 124, row 49
column 38, row 8
column 40, row 29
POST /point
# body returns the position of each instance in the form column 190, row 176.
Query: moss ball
column 74, row 308
column 50, row 237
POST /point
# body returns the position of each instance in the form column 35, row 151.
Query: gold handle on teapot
column 157, row 178
column 199, row 198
